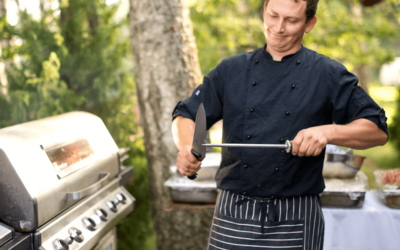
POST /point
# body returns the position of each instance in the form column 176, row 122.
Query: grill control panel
column 93, row 223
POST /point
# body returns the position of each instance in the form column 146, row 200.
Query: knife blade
column 199, row 137
column 287, row 146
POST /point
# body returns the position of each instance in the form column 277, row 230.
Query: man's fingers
column 303, row 149
column 185, row 167
column 296, row 144
column 318, row 151
column 188, row 154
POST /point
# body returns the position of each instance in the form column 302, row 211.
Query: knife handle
column 198, row 157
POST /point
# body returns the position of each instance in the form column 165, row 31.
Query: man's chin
column 278, row 47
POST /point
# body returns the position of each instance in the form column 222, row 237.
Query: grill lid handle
column 104, row 178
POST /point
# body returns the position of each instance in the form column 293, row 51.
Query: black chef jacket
column 265, row 101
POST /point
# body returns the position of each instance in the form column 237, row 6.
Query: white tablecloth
column 372, row 227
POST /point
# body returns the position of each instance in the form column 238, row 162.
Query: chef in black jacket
column 282, row 91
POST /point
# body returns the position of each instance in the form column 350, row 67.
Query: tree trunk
column 360, row 70
column 3, row 43
column 166, row 70
column 42, row 10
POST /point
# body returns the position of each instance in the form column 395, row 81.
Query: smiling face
column 284, row 26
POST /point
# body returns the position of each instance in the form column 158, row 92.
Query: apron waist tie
column 267, row 209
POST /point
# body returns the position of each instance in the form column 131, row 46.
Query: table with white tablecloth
column 372, row 227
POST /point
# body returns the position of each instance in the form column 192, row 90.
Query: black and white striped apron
column 242, row 222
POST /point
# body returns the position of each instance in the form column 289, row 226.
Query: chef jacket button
column 254, row 84
column 298, row 62
column 287, row 112
column 245, row 166
column 251, row 110
column 281, row 140
column 272, row 197
column 293, row 86
column 276, row 169
column 256, row 61
column 249, row 136
column 244, row 193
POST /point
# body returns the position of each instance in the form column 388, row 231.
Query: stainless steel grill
column 61, row 183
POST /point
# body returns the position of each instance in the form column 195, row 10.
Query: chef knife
column 199, row 137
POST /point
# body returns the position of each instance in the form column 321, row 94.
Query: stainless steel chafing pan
column 201, row 190
column 390, row 195
column 337, row 165
column 345, row 193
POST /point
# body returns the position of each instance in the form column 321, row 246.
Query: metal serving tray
column 345, row 193
column 185, row 190
column 201, row 190
column 389, row 196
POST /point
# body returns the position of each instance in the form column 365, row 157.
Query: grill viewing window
column 69, row 157
column 69, row 154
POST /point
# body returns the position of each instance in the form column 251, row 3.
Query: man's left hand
column 310, row 142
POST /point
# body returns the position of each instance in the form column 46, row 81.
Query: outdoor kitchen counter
column 374, row 226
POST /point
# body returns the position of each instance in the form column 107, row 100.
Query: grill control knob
column 121, row 198
column 88, row 223
column 69, row 240
column 111, row 205
column 79, row 238
column 60, row 244
column 102, row 214
column 76, row 234
column 73, row 231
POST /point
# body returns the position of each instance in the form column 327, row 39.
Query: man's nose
column 280, row 26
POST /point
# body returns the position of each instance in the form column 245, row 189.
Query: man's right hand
column 187, row 164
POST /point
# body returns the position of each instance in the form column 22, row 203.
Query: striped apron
column 242, row 222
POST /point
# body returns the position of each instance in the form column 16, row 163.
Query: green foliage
column 77, row 58
column 355, row 39
column 227, row 27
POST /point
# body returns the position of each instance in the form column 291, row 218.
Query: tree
column 166, row 70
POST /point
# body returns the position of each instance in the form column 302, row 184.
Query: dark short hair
column 310, row 10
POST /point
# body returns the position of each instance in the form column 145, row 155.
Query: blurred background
column 63, row 55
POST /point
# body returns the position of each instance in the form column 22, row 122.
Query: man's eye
column 292, row 21
column 273, row 16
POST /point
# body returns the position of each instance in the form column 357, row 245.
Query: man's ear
column 310, row 24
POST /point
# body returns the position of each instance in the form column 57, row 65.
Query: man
column 283, row 91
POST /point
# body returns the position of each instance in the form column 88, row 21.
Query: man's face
column 285, row 24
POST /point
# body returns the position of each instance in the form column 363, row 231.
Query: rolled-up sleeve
column 350, row 102
column 210, row 93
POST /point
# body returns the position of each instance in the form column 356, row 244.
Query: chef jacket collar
column 285, row 58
